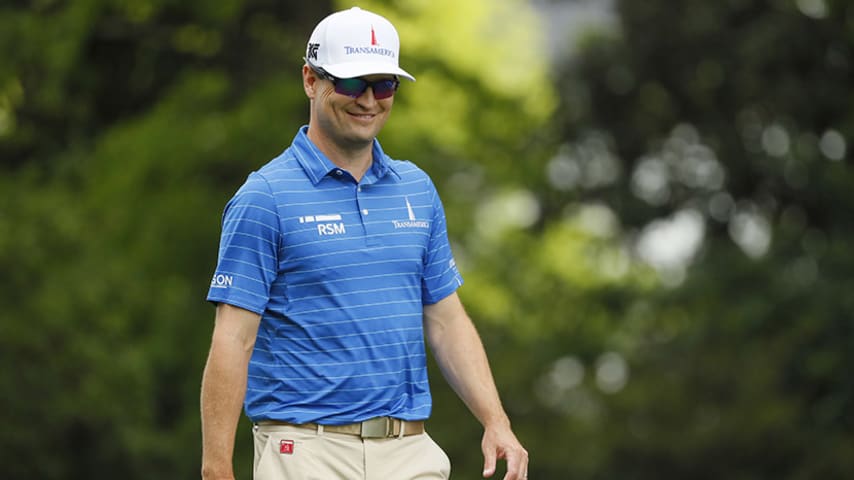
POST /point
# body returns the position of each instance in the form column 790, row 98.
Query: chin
column 364, row 134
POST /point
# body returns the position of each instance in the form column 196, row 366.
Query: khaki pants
column 292, row 453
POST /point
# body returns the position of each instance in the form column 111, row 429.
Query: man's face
column 349, row 122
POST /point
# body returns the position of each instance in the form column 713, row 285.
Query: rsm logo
column 221, row 281
column 330, row 229
column 324, row 224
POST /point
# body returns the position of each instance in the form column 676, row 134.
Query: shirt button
column 359, row 189
column 365, row 211
column 339, row 172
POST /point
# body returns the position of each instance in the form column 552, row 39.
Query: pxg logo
column 311, row 51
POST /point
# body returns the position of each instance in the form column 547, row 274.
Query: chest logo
column 413, row 221
column 326, row 224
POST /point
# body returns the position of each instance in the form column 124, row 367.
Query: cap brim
column 350, row 70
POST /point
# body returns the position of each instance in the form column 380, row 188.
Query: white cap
column 354, row 43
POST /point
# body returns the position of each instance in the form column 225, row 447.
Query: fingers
column 489, row 459
column 502, row 444
column 517, row 464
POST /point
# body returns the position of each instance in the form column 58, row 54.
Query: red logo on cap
column 373, row 37
column 286, row 447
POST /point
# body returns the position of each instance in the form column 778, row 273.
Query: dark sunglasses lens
column 355, row 87
column 384, row 88
column 352, row 87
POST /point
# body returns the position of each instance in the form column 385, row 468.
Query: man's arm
column 224, row 388
column 462, row 359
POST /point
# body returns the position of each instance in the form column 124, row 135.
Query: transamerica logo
column 410, row 224
column 385, row 52
column 413, row 222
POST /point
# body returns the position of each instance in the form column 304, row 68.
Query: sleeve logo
column 221, row 281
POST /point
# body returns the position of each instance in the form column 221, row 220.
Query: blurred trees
column 727, row 127
column 654, row 238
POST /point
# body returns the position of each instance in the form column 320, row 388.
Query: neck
column 355, row 158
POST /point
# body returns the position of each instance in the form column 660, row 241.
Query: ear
column 309, row 81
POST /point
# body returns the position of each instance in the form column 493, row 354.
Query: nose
column 367, row 97
column 368, row 94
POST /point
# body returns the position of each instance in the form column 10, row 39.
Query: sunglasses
column 355, row 87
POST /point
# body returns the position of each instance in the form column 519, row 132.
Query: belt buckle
column 376, row 427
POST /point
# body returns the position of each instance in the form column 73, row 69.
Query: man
column 334, row 266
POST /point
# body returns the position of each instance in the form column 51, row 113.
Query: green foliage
column 737, row 371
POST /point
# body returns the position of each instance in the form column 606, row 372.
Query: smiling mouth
column 363, row 116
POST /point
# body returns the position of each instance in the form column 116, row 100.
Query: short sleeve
column 441, row 277
column 247, row 262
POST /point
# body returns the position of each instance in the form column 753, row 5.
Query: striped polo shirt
column 339, row 271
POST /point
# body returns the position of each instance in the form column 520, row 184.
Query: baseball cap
column 354, row 43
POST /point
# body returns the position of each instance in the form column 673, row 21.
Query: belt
column 378, row 427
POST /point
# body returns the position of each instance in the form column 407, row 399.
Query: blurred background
column 652, row 203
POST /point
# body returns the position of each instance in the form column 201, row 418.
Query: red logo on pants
column 286, row 447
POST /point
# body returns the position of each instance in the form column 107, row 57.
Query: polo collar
column 317, row 165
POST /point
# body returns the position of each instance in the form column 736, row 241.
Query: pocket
column 441, row 458
column 262, row 441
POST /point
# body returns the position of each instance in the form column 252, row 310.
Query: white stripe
column 233, row 288
column 342, row 377
column 362, row 264
column 295, row 411
column 358, row 334
column 365, row 389
column 350, row 251
column 356, row 321
column 345, row 201
column 348, row 239
column 348, row 279
column 330, row 350
column 251, row 264
column 256, row 237
column 384, row 399
column 357, row 292
column 231, row 221
column 333, row 364
column 350, row 307
column 238, row 247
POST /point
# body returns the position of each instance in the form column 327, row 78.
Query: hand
column 498, row 443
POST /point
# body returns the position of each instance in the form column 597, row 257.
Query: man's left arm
column 460, row 355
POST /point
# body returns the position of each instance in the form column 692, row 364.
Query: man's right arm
column 224, row 387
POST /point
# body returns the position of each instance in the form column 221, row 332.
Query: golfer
column 334, row 268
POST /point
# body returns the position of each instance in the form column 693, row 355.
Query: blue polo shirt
column 339, row 271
